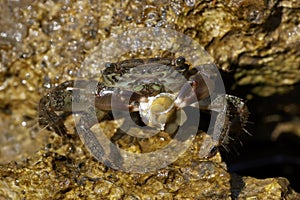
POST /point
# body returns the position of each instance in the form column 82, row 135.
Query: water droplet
column 24, row 123
column 190, row 3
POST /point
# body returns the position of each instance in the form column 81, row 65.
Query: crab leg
column 121, row 99
column 192, row 91
column 77, row 96
column 55, row 101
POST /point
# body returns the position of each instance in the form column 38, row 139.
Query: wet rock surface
column 256, row 43
column 65, row 170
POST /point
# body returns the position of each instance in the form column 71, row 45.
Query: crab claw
column 198, row 86
column 157, row 111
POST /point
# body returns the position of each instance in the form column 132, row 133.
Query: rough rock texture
column 43, row 44
column 65, row 170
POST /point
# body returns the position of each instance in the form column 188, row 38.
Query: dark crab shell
column 163, row 74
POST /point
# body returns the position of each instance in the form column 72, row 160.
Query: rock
column 44, row 44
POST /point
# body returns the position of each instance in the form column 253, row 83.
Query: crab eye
column 107, row 65
column 110, row 68
column 110, row 65
column 181, row 66
column 180, row 61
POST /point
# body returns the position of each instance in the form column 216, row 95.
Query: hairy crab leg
column 230, row 121
column 54, row 101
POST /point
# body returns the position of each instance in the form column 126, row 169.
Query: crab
column 154, row 91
